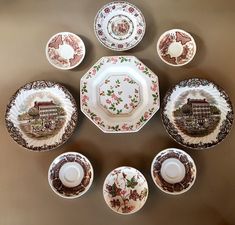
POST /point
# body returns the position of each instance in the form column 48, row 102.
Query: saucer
column 173, row 171
column 65, row 50
column 119, row 26
column 41, row 115
column 70, row 175
column 176, row 47
column 197, row 113
column 119, row 94
column 125, row 190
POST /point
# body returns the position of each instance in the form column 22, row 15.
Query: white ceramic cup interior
column 173, row 171
column 71, row 174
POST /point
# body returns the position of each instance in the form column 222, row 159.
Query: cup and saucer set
column 120, row 94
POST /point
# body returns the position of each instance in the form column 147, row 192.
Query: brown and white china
column 70, row 175
column 41, row 115
column 119, row 25
column 65, row 50
column 176, row 47
column 125, row 190
column 197, row 113
column 173, row 171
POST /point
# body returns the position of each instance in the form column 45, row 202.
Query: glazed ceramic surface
column 119, row 25
column 65, row 50
column 70, row 175
column 176, row 47
column 173, row 171
column 41, row 115
column 125, row 190
column 197, row 113
column 119, row 94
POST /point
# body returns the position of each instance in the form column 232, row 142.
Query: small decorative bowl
column 65, row 50
column 173, row 171
column 125, row 190
column 70, row 175
column 176, row 47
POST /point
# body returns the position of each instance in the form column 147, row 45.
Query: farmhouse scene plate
column 65, row 50
column 41, row 115
column 119, row 25
column 70, row 175
column 173, row 171
column 119, row 94
column 176, row 47
column 125, row 190
column 197, row 113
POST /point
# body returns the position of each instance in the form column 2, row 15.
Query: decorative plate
column 119, row 25
column 65, row 50
column 125, row 190
column 41, row 115
column 176, row 47
column 70, row 175
column 119, row 94
column 197, row 113
column 173, row 171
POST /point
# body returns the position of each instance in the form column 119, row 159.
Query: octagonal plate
column 119, row 94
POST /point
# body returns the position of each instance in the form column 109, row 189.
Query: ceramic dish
column 119, row 25
column 41, row 115
column 70, row 175
column 119, row 94
column 65, row 50
column 173, row 171
column 125, row 190
column 176, row 47
column 197, row 113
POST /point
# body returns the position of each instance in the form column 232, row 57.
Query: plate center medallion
column 119, row 94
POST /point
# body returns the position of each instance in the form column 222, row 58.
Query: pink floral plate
column 173, row 171
column 176, row 47
column 119, row 25
column 65, row 50
column 197, row 113
column 125, row 190
column 70, row 175
column 119, row 94
column 41, row 115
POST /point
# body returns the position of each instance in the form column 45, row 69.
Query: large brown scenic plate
column 197, row 113
column 41, row 115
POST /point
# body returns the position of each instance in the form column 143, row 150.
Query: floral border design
column 15, row 132
column 187, row 181
column 124, row 6
column 57, row 185
column 173, row 131
column 124, row 127
column 125, row 190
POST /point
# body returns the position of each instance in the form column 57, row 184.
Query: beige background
column 25, row 196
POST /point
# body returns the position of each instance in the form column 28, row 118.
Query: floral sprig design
column 125, row 190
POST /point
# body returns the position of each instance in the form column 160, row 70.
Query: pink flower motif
column 123, row 192
column 85, row 98
column 108, row 101
column 141, row 67
column 115, row 97
column 97, row 119
column 120, row 46
column 125, row 126
column 114, row 60
column 154, row 87
column 139, row 31
column 106, row 10
column 146, row 115
column 93, row 71
column 126, row 79
column 131, row 9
